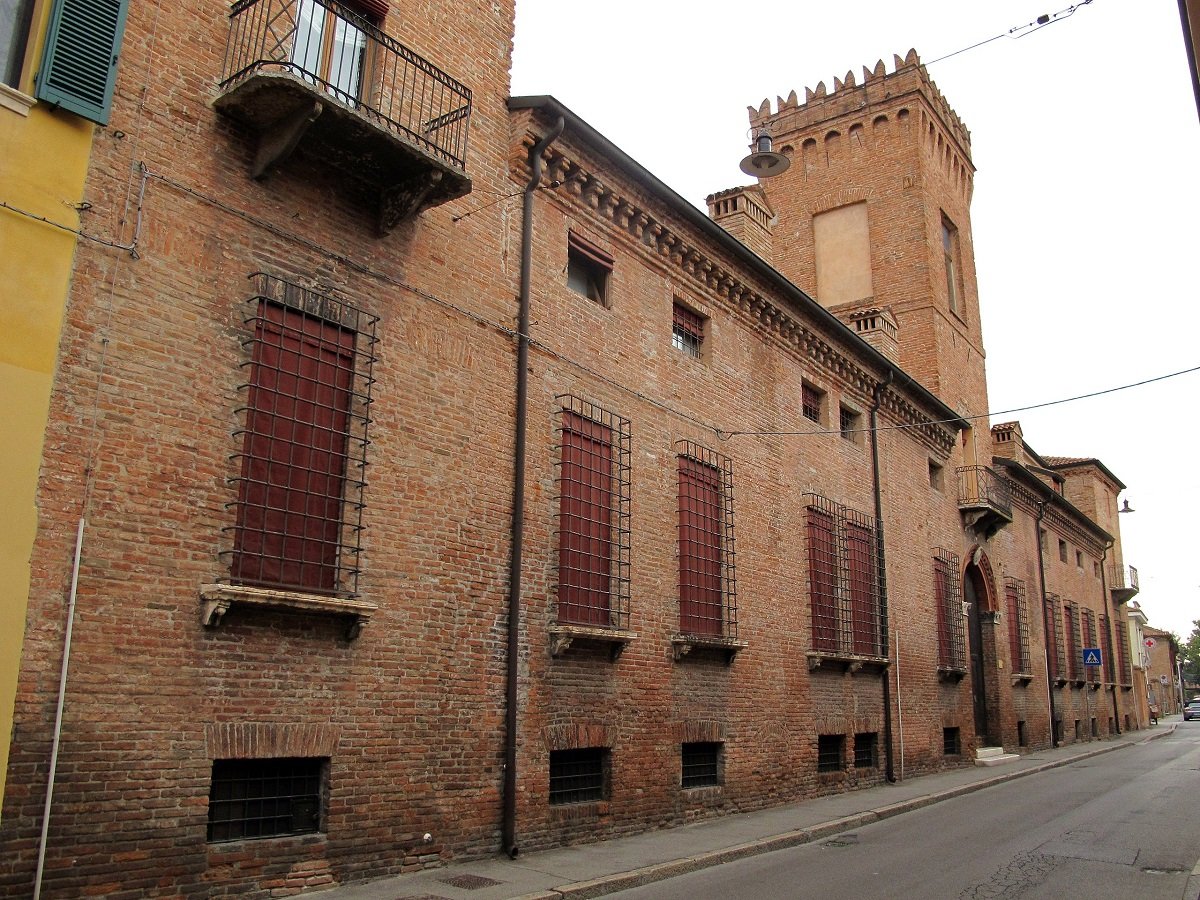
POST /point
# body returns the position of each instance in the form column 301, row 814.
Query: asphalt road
column 1120, row 826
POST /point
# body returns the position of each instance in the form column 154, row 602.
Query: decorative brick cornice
column 676, row 248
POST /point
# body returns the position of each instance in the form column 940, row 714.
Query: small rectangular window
column 588, row 268
column 812, row 403
column 866, row 752
column 850, row 423
column 701, row 764
column 937, row 476
column 951, row 256
column 1022, row 734
column 577, row 776
column 687, row 330
column 1079, row 559
column 258, row 798
column 1062, row 550
column 831, row 752
column 951, row 742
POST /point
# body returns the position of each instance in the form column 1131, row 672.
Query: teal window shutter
column 79, row 65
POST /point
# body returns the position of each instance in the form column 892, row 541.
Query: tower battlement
column 848, row 96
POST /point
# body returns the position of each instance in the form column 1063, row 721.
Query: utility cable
column 1020, row 31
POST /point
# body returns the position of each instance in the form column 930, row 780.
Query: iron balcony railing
column 980, row 486
column 1123, row 579
column 344, row 55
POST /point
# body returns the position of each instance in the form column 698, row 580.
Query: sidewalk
column 592, row 870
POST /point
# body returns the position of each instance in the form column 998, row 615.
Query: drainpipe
column 1111, row 643
column 1037, row 534
column 509, row 825
column 58, row 712
column 881, row 578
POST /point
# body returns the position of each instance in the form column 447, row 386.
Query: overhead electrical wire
column 1020, row 31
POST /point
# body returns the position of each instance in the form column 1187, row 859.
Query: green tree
column 1189, row 653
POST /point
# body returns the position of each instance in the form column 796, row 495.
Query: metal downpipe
column 509, row 825
column 881, row 578
column 1037, row 536
column 1111, row 643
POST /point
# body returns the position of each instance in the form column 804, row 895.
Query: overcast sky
column 1087, row 144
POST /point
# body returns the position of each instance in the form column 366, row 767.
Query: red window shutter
column 941, row 595
column 585, row 538
column 294, row 452
column 687, row 321
column 860, row 547
column 1051, row 616
column 701, row 608
column 822, row 579
column 1016, row 659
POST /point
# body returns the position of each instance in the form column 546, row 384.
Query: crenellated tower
column 873, row 219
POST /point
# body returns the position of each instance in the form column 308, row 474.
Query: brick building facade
column 749, row 547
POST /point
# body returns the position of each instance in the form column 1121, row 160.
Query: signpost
column 1091, row 660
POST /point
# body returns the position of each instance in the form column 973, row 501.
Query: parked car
column 1191, row 711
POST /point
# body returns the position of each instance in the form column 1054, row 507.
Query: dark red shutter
column 294, row 453
column 941, row 596
column 1051, row 617
column 860, row 547
column 585, row 522
column 687, row 321
column 822, row 579
column 700, row 600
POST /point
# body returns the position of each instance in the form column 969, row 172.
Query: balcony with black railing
column 1123, row 583
column 316, row 76
column 984, row 499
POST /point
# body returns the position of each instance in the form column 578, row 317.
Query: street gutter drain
column 470, row 882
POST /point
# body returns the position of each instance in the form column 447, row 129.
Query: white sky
column 1087, row 144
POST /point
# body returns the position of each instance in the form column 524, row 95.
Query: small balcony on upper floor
column 1123, row 583
column 984, row 499
column 318, row 76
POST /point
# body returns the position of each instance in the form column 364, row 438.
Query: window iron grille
column 849, row 424
column 701, row 764
column 1071, row 628
column 258, row 798
column 304, row 424
column 947, row 584
column 845, row 597
column 1018, row 625
column 577, row 776
column 831, row 752
column 349, row 57
column 687, row 330
column 707, row 557
column 594, row 448
column 810, row 402
column 866, row 750
column 1106, row 648
column 1123, row 659
column 951, row 742
column 1058, row 656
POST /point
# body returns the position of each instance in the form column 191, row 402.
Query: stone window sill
column 849, row 662
column 15, row 101
column 216, row 599
column 683, row 644
column 951, row 673
column 1021, row 678
column 563, row 636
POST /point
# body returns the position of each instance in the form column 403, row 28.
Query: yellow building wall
column 43, row 163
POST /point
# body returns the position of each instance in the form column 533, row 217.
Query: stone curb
column 620, row 881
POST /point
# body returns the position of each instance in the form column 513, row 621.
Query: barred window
column 844, row 593
column 1018, row 625
column 951, row 742
column 593, row 515
column 707, row 563
column 831, row 752
column 1071, row 630
column 1054, row 637
column 701, row 764
column 1123, row 660
column 301, row 467
column 866, row 750
column 1106, row 648
column 947, row 591
column 850, row 424
column 258, row 798
column 687, row 330
column 812, row 402
column 578, row 776
column 1093, row 673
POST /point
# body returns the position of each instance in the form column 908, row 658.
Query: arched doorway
column 980, row 601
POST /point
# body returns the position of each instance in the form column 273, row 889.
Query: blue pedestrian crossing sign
column 1091, row 656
